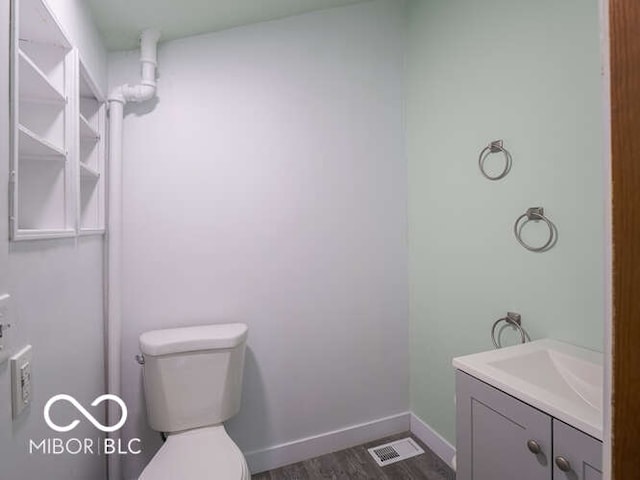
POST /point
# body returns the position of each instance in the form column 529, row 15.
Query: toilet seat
column 199, row 454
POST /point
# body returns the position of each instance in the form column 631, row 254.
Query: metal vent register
column 395, row 451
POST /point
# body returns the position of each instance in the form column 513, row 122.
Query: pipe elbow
column 116, row 95
column 146, row 90
column 138, row 93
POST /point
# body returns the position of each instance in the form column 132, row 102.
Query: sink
column 560, row 379
column 559, row 373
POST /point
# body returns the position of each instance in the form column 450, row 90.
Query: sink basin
column 562, row 380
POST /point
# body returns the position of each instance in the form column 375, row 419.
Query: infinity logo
column 83, row 411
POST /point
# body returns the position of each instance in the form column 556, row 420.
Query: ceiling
column 120, row 21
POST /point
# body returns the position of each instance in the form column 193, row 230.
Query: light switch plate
column 21, row 381
column 5, row 324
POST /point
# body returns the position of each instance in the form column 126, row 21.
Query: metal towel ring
column 535, row 213
column 495, row 147
column 513, row 319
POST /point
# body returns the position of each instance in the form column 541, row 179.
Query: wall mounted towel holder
column 495, row 147
column 535, row 213
column 513, row 319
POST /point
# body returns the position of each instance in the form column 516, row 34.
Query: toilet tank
column 193, row 375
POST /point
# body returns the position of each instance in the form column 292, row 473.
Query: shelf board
column 87, row 131
column 40, row 234
column 32, row 146
column 34, row 85
column 86, row 231
column 86, row 172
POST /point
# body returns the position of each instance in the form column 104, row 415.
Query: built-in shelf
column 86, row 172
column 43, row 117
column 87, row 131
column 58, row 116
column 33, row 146
column 92, row 117
column 34, row 84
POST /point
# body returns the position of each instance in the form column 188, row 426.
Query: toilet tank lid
column 192, row 339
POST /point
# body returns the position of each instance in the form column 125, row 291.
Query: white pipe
column 118, row 98
column 114, row 268
column 146, row 89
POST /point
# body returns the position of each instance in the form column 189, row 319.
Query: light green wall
column 527, row 72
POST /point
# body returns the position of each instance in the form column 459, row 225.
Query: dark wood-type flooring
column 356, row 463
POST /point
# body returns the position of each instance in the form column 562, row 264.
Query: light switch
column 5, row 324
column 21, row 385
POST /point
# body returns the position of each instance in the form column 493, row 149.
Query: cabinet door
column 576, row 455
column 493, row 429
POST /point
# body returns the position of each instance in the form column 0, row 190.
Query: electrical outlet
column 21, row 384
column 5, row 324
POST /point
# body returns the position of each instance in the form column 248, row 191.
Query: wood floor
column 356, row 463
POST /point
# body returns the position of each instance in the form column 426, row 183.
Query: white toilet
column 193, row 383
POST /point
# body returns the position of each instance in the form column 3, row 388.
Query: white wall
column 267, row 184
column 56, row 288
column 529, row 73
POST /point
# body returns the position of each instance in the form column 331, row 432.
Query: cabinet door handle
column 563, row 464
column 534, row 447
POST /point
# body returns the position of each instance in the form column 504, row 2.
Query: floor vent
column 395, row 451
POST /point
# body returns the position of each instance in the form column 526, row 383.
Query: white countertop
column 560, row 379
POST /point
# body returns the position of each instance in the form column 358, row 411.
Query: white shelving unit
column 91, row 153
column 57, row 143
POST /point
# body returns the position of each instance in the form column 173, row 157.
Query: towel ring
column 513, row 319
column 495, row 147
column 535, row 213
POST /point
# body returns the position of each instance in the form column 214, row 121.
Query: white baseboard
column 432, row 439
column 314, row 446
column 310, row 447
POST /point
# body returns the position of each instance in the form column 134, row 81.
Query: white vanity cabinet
column 501, row 438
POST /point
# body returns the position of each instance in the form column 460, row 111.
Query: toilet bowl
column 200, row 454
column 192, row 384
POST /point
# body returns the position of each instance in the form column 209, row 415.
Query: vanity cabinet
column 582, row 452
column 501, row 438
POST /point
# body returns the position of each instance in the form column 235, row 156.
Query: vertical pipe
column 114, row 304
column 117, row 100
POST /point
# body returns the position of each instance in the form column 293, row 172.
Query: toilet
column 192, row 384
